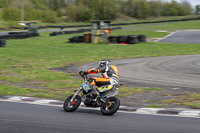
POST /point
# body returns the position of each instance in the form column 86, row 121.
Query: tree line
column 85, row 10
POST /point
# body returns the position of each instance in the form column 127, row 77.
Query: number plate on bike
column 86, row 87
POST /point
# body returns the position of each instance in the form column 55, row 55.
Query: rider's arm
column 92, row 71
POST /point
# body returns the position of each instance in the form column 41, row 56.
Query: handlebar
column 84, row 77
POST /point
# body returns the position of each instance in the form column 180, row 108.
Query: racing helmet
column 104, row 65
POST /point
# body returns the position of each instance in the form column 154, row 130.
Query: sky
column 192, row 2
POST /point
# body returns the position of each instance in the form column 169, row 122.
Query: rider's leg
column 102, row 81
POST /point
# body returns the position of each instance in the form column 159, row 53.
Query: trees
column 136, row 8
column 155, row 8
column 173, row 8
column 79, row 13
column 105, row 9
column 49, row 16
column 11, row 14
column 197, row 9
column 84, row 10
column 184, row 8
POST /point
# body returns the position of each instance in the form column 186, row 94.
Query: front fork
column 76, row 93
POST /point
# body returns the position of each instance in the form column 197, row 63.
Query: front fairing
column 86, row 87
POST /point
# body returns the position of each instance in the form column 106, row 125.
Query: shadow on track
column 85, row 111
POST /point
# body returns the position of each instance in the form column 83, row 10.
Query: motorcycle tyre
column 114, row 109
column 66, row 108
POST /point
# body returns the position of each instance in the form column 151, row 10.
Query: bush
column 49, row 16
column 197, row 9
column 32, row 14
column 136, row 8
column 141, row 9
column 11, row 13
column 1, row 16
column 101, row 9
column 79, row 13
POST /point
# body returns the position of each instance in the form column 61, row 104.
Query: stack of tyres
column 76, row 39
column 5, row 37
column 81, row 38
column 122, row 39
column 2, row 42
column 53, row 34
column 113, row 39
column 14, row 33
column 19, row 36
column 142, row 38
column 33, row 34
column 132, row 39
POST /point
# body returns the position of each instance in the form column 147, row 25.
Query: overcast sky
column 193, row 2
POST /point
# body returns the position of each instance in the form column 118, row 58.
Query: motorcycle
column 102, row 96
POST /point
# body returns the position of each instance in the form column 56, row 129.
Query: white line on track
column 166, row 36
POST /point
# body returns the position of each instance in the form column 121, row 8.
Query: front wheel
column 69, row 106
column 111, row 106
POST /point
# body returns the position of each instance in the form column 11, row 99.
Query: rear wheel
column 111, row 106
column 69, row 106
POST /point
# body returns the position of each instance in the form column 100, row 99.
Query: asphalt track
column 185, row 37
column 26, row 118
column 167, row 72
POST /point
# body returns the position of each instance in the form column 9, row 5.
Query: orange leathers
column 109, row 75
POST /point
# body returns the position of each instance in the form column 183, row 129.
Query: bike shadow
column 86, row 111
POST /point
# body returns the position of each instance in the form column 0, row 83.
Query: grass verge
column 27, row 62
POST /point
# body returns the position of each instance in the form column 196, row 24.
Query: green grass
column 156, row 19
column 191, row 100
column 5, row 25
column 125, row 91
column 30, row 60
column 195, row 24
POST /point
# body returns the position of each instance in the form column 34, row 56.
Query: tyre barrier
column 142, row 38
column 76, row 39
column 132, row 39
column 76, row 31
column 11, row 33
column 113, row 39
column 2, row 42
column 20, row 35
column 128, row 39
column 122, row 39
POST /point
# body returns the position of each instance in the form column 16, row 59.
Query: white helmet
column 104, row 65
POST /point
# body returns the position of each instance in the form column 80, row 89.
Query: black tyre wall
column 132, row 39
column 113, row 39
column 122, row 39
column 2, row 42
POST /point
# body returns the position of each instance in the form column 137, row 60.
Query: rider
column 108, row 71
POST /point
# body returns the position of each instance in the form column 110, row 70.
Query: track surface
column 186, row 37
column 26, row 118
column 167, row 71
